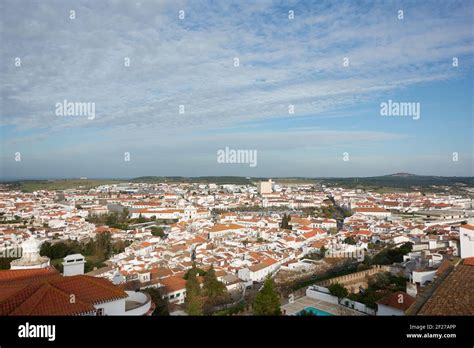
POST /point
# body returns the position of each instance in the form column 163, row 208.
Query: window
column 100, row 312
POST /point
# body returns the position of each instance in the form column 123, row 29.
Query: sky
column 142, row 63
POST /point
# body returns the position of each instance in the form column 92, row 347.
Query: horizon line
column 400, row 175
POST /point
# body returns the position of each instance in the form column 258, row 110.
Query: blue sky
column 190, row 62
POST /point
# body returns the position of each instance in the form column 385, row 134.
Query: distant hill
column 385, row 183
column 221, row 180
column 402, row 174
column 60, row 184
column 402, row 182
column 397, row 181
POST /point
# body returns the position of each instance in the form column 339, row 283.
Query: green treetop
column 213, row 288
column 193, row 301
column 267, row 301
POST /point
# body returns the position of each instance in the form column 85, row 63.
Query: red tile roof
column 399, row 300
column 469, row 261
column 454, row 295
column 46, row 292
column 222, row 227
column 30, row 274
column 173, row 283
column 47, row 300
column 370, row 210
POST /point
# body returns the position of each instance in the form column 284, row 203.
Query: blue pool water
column 316, row 311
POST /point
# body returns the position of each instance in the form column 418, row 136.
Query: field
column 397, row 183
column 381, row 184
column 53, row 185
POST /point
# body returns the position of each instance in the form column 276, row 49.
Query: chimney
column 73, row 265
column 412, row 289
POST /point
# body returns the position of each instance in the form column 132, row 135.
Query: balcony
column 137, row 303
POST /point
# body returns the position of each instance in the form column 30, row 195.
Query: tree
column 391, row 255
column 371, row 246
column 103, row 245
column 60, row 249
column 367, row 260
column 213, row 288
column 195, row 269
column 57, row 250
column 362, row 267
column 124, row 215
column 157, row 232
column 112, row 219
column 267, row 301
column 5, row 262
column 161, row 304
column 193, row 301
column 285, row 221
column 406, row 248
column 194, row 305
column 88, row 248
column 45, row 249
column 338, row 290
column 119, row 246
column 141, row 219
column 350, row 240
column 379, row 281
column 323, row 251
column 346, row 212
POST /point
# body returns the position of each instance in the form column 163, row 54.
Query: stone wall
column 357, row 277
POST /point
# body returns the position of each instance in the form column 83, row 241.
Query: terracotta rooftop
column 399, row 300
column 263, row 264
column 28, row 274
column 46, row 292
column 222, row 227
column 173, row 283
column 469, row 261
column 454, row 296
column 370, row 210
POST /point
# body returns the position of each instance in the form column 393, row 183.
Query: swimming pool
column 316, row 312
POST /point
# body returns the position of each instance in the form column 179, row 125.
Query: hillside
column 385, row 183
column 402, row 182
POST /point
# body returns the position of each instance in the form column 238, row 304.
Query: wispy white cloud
column 190, row 62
